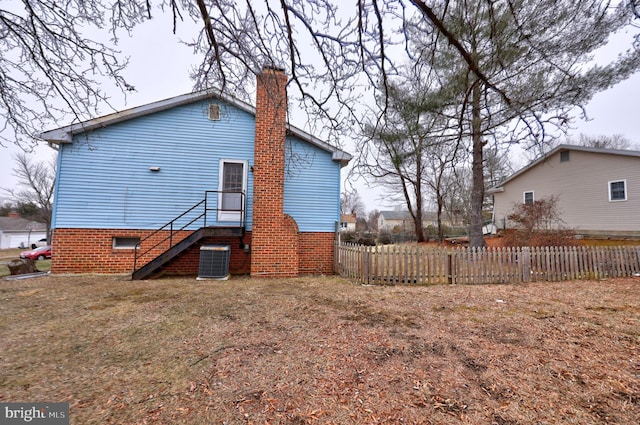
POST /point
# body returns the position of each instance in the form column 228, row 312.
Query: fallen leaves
column 324, row 351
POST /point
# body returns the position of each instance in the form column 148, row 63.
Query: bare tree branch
column 635, row 7
column 36, row 183
column 454, row 41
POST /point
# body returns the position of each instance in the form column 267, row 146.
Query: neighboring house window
column 618, row 190
column 233, row 183
column 528, row 198
column 125, row 243
column 564, row 156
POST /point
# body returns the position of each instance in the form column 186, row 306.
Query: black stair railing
column 172, row 227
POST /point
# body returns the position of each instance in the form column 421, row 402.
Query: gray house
column 395, row 220
column 17, row 232
column 598, row 190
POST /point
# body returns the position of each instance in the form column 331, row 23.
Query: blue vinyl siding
column 311, row 187
column 104, row 179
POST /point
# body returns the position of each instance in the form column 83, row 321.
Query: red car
column 38, row 253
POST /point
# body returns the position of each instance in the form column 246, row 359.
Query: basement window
column 125, row 242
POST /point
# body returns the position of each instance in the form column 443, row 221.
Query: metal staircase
column 191, row 217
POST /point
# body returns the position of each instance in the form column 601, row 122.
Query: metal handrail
column 170, row 224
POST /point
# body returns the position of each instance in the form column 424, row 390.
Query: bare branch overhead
column 338, row 54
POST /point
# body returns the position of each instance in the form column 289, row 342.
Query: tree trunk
column 419, row 228
column 476, row 238
column 419, row 210
column 417, row 218
column 439, row 219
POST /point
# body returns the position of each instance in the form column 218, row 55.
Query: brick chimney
column 274, row 235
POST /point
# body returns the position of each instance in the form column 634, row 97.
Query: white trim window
column 232, row 183
column 617, row 190
column 528, row 197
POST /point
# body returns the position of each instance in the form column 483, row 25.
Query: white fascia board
column 336, row 154
column 65, row 134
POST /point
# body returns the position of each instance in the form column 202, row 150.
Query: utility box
column 214, row 262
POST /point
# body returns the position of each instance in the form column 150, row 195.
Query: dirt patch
column 322, row 351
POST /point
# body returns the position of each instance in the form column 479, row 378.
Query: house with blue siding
column 144, row 190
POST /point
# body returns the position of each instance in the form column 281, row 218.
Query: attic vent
column 214, row 262
column 214, row 112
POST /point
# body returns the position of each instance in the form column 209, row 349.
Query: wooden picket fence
column 424, row 265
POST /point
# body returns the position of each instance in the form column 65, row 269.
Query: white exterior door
column 232, row 184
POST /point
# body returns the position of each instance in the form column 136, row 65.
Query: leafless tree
column 613, row 141
column 58, row 56
column 413, row 146
column 36, row 183
column 457, row 204
column 459, row 184
column 372, row 221
column 351, row 203
column 50, row 69
column 602, row 141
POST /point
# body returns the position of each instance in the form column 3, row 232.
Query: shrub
column 538, row 224
column 384, row 237
column 360, row 238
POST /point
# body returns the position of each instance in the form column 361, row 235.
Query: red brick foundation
column 91, row 251
column 188, row 263
column 316, row 253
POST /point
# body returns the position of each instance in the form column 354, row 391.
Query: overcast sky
column 159, row 69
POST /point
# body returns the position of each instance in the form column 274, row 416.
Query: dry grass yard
column 322, row 351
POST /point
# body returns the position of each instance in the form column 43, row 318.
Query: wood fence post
column 336, row 255
column 525, row 262
column 365, row 265
column 449, row 268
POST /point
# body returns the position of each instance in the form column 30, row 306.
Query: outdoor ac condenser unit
column 214, row 262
